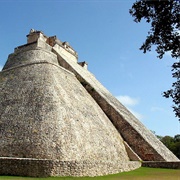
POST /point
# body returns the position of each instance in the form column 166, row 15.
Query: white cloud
column 156, row 109
column 127, row 100
column 1, row 67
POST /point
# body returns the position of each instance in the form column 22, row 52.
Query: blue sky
column 104, row 35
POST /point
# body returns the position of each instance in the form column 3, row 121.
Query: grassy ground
column 138, row 174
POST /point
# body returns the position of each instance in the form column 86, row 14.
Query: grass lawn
column 142, row 173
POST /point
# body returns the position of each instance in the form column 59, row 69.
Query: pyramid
column 57, row 119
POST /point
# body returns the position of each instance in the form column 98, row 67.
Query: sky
column 106, row 37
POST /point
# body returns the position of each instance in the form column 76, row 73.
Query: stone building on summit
column 56, row 118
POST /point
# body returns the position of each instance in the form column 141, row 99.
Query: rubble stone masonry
column 56, row 118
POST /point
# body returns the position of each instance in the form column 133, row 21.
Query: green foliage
column 172, row 144
column 174, row 93
column 138, row 174
column 164, row 18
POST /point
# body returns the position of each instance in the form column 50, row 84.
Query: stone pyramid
column 56, row 118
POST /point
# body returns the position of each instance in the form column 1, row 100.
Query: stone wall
column 57, row 119
column 160, row 164
column 144, row 143
column 34, row 95
column 45, row 167
column 48, row 117
column 132, row 155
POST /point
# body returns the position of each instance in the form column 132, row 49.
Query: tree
column 174, row 93
column 168, row 141
column 164, row 17
column 173, row 144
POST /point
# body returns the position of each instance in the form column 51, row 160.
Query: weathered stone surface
column 56, row 119
column 132, row 155
column 45, row 113
column 46, row 167
column 162, row 164
column 140, row 139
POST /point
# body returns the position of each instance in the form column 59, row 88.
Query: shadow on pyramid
column 56, row 119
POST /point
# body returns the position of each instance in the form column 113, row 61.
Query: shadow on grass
column 142, row 173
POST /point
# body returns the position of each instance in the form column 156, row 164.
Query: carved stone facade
column 57, row 118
